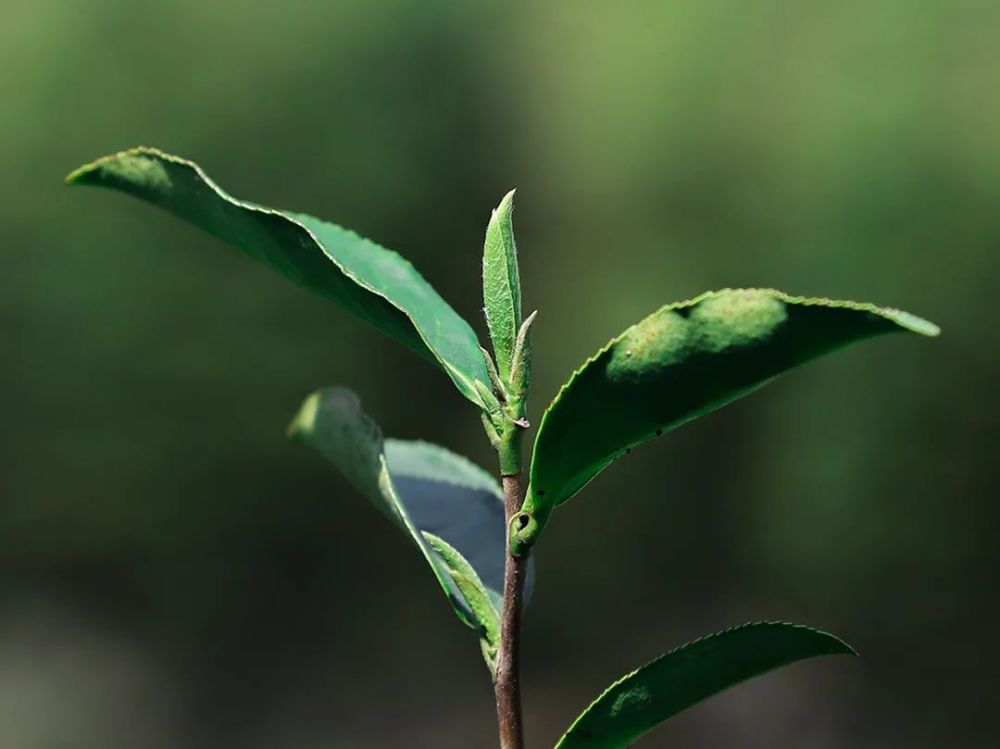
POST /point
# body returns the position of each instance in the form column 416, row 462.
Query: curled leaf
column 450, row 508
column 502, row 285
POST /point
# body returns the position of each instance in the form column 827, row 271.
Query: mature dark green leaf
column 683, row 677
column 683, row 361
column 502, row 285
column 369, row 281
column 450, row 508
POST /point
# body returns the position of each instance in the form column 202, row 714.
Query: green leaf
column 683, row 361
column 450, row 508
column 683, row 677
column 502, row 285
column 369, row 281
column 481, row 601
column 520, row 375
column 453, row 498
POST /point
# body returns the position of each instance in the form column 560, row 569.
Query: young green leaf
column 451, row 509
column 683, row 361
column 683, row 677
column 480, row 599
column 369, row 281
column 520, row 374
column 502, row 285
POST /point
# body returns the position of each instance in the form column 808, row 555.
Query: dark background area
column 175, row 574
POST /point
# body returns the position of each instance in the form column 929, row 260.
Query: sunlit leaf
column 683, row 677
column 367, row 280
column 683, row 361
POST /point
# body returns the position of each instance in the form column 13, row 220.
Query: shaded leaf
column 369, row 281
column 450, row 508
column 502, row 285
column 683, row 361
column 691, row 673
column 455, row 499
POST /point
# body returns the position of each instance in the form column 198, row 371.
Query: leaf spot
column 631, row 700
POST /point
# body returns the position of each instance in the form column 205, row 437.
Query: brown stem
column 508, row 683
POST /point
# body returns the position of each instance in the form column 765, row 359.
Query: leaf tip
column 841, row 647
column 91, row 172
column 912, row 323
column 87, row 173
column 139, row 168
column 505, row 207
column 78, row 174
column 305, row 420
column 832, row 644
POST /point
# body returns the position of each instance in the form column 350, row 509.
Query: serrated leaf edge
column 905, row 320
column 847, row 650
column 466, row 386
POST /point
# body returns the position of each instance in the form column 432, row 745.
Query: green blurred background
column 174, row 574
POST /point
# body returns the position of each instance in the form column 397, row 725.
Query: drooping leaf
column 683, row 677
column 451, row 497
column 502, row 285
column 369, row 281
column 450, row 508
column 683, row 361
column 481, row 600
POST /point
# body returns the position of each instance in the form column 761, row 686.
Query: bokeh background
column 174, row 574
